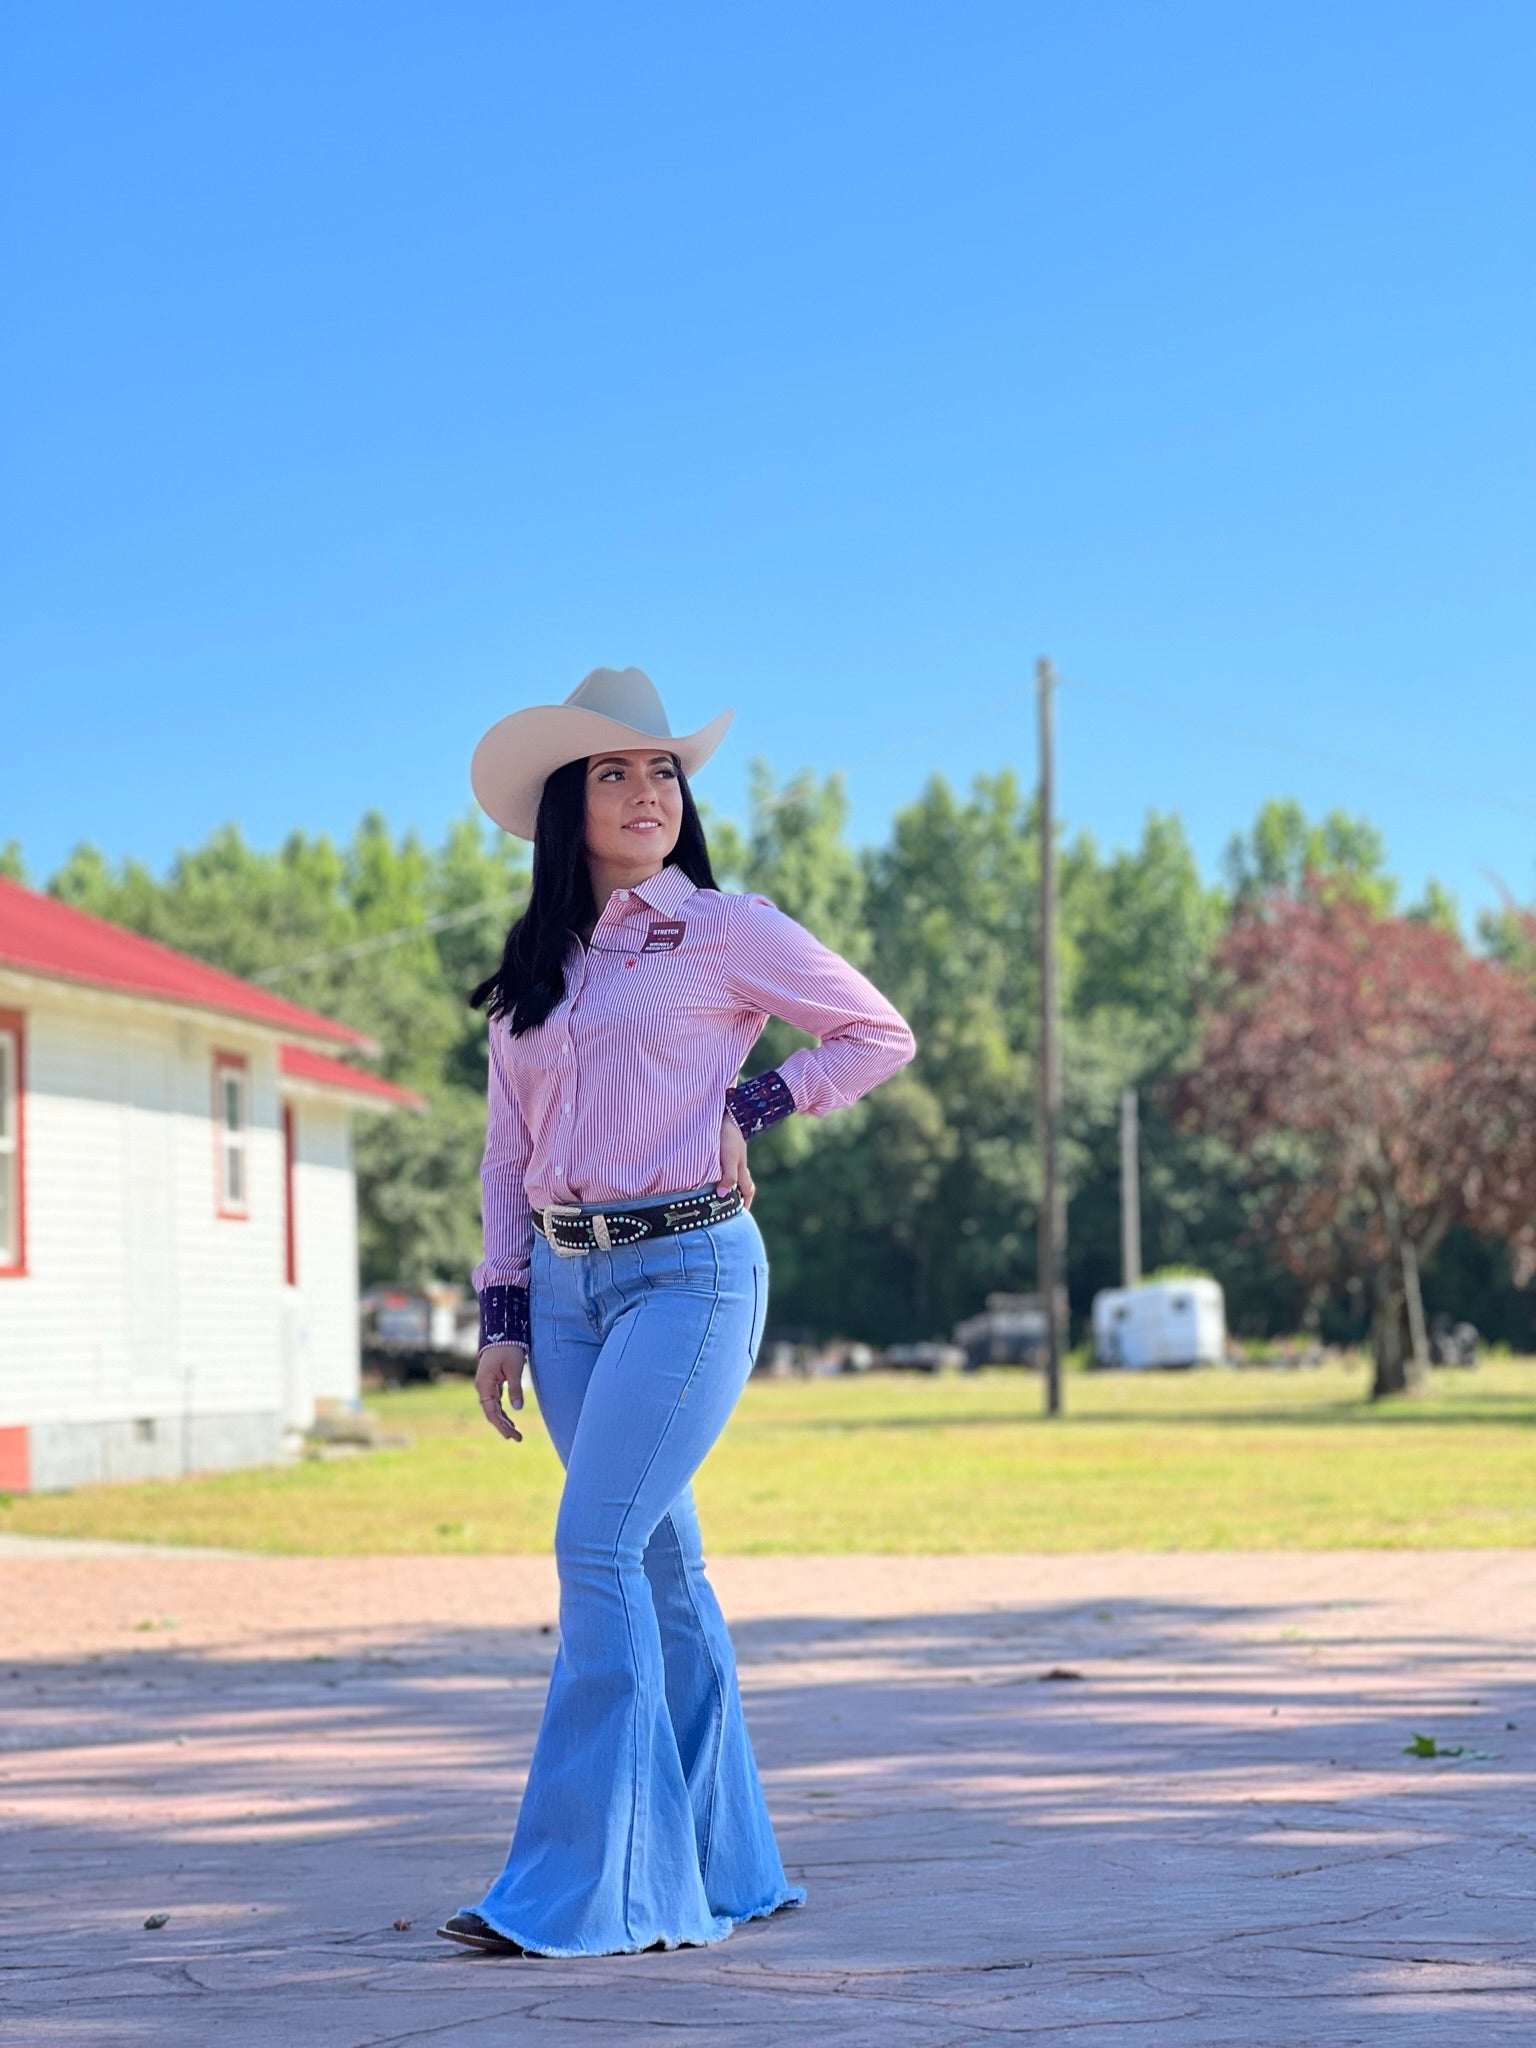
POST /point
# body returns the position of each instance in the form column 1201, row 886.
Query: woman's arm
column 501, row 1278
column 777, row 966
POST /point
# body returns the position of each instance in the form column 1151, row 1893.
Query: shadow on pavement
column 1211, row 1833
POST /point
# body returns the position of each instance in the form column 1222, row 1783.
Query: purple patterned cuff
column 757, row 1103
column 503, row 1316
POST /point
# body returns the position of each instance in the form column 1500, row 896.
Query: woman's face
column 634, row 811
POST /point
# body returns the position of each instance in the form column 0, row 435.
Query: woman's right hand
column 501, row 1365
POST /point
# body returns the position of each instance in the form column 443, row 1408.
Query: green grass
column 1206, row 1461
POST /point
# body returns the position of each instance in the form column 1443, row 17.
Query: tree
column 1382, row 1081
column 896, row 1218
column 1509, row 934
column 1436, row 906
column 1143, row 926
column 1285, row 850
column 377, row 933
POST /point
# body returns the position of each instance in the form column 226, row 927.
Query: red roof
column 40, row 935
column 297, row 1063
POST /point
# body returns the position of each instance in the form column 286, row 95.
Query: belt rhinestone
column 571, row 1231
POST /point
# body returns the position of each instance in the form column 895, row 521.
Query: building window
column 231, row 1119
column 13, row 1245
column 290, row 1242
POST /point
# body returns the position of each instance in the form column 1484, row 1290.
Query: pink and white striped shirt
column 618, row 1095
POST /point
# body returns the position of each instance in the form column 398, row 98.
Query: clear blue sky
column 370, row 369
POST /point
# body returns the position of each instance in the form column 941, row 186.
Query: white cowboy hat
column 612, row 710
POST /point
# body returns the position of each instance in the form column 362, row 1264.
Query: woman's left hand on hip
column 734, row 1171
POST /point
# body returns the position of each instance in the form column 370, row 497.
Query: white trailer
column 1162, row 1323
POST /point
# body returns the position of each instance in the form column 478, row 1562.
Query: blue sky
column 372, row 369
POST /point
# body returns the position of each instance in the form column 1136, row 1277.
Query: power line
column 934, row 732
column 448, row 920
column 1196, row 721
column 1199, row 723
column 381, row 941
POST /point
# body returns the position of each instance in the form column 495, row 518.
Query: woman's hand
column 501, row 1365
column 734, row 1171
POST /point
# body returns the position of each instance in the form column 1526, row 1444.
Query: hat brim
column 521, row 751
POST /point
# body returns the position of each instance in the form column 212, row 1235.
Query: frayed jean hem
column 793, row 1897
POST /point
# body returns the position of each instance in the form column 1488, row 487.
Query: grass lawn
column 1205, row 1461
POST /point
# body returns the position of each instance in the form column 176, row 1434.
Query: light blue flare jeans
column 643, row 1820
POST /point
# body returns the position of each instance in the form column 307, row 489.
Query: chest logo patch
column 664, row 936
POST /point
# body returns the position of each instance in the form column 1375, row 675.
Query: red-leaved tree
column 1383, row 1082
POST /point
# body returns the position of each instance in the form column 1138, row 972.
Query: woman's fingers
column 501, row 1366
column 734, row 1171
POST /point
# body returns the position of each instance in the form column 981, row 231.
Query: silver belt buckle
column 563, row 1251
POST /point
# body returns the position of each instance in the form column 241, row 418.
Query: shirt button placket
column 568, row 1078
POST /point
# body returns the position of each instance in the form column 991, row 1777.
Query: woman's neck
column 605, row 879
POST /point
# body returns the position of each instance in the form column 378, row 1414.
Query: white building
column 178, row 1216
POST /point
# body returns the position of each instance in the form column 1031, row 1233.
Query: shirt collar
column 666, row 892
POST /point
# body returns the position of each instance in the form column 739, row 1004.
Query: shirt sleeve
column 758, row 1104
column 777, row 966
column 502, row 1274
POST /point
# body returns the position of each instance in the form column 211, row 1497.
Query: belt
column 570, row 1230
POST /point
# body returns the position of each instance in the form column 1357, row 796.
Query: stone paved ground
column 1210, row 1836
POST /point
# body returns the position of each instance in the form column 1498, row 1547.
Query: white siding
column 140, row 1303
column 63, row 1334
column 229, row 1321
column 322, row 1344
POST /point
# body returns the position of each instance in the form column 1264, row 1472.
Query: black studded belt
column 570, row 1230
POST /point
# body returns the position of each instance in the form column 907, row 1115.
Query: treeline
column 898, row 1217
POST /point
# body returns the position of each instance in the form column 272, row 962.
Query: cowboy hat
column 612, row 710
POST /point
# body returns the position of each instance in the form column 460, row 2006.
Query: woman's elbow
column 899, row 1046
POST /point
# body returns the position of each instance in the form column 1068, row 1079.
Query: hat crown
column 609, row 708
column 626, row 695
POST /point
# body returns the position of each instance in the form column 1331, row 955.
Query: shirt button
column 629, row 963
column 566, row 1110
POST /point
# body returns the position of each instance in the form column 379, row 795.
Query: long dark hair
column 531, row 978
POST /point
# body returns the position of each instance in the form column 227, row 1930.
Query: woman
column 617, row 1240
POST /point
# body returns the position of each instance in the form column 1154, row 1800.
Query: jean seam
column 634, row 1733
column 634, row 1807
column 714, row 1252
column 719, row 1684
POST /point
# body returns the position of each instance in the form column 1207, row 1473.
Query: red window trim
column 222, row 1063
column 15, row 1022
column 290, row 1240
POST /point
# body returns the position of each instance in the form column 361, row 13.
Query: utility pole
column 1053, row 1206
column 1130, row 1192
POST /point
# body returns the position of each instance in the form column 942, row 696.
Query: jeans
column 643, row 1820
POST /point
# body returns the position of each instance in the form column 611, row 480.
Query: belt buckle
column 563, row 1251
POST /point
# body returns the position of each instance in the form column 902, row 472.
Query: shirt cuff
column 754, row 1105
column 503, row 1316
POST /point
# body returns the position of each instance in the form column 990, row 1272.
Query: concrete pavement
column 1209, row 1835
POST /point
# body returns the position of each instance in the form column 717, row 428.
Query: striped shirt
column 618, row 1095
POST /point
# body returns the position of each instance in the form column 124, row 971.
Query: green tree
column 900, row 1215
column 1437, row 906
column 1344, row 857
column 1508, row 934
column 375, row 933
